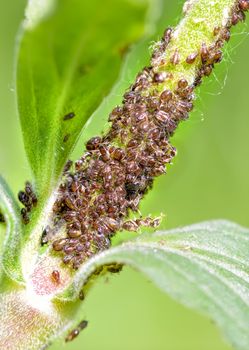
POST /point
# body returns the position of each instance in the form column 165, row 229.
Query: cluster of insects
column 29, row 199
column 107, row 183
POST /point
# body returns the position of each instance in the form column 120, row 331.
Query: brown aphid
column 67, row 166
column 197, row 81
column 175, row 58
column 25, row 217
column 204, row 53
column 226, row 34
column 105, row 154
column 69, row 116
column 237, row 17
column 244, row 5
column 59, row 244
column 207, row 70
column 55, row 276
column 182, row 84
column 162, row 117
column 118, row 154
column 66, row 138
column 75, row 332
column 93, row 143
column 167, row 35
column 30, row 192
column 160, row 77
column 130, row 226
column 191, row 58
column 166, row 95
column 74, row 233
column 217, row 56
column 72, row 335
column 67, row 259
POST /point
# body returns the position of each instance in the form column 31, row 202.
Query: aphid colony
column 107, row 183
column 118, row 169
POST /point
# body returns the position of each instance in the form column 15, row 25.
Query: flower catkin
column 107, row 183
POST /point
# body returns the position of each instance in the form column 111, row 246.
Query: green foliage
column 67, row 64
column 204, row 266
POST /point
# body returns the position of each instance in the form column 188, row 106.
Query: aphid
column 67, row 166
column 144, row 127
column 55, row 276
column 30, row 192
column 167, row 35
column 160, row 77
column 237, row 16
column 59, row 244
column 217, row 57
column 69, row 116
column 44, row 236
column 72, row 335
column 133, row 143
column 81, row 295
column 74, row 233
column 191, row 58
column 207, row 70
column 175, row 58
column 182, row 83
column 23, row 198
column 225, row 34
column 197, row 81
column 118, row 154
column 66, row 138
column 67, row 259
column 105, row 154
column 2, row 217
column 162, row 117
column 244, row 5
column 25, row 217
column 166, row 95
column 93, row 143
column 75, row 332
column 204, row 53
column 130, row 225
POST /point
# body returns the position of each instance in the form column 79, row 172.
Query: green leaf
column 66, row 66
column 12, row 241
column 204, row 266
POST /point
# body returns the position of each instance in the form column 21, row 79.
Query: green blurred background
column 209, row 180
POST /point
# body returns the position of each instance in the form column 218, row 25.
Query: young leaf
column 204, row 266
column 12, row 241
column 66, row 65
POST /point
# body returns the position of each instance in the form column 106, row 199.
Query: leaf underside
column 204, row 266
